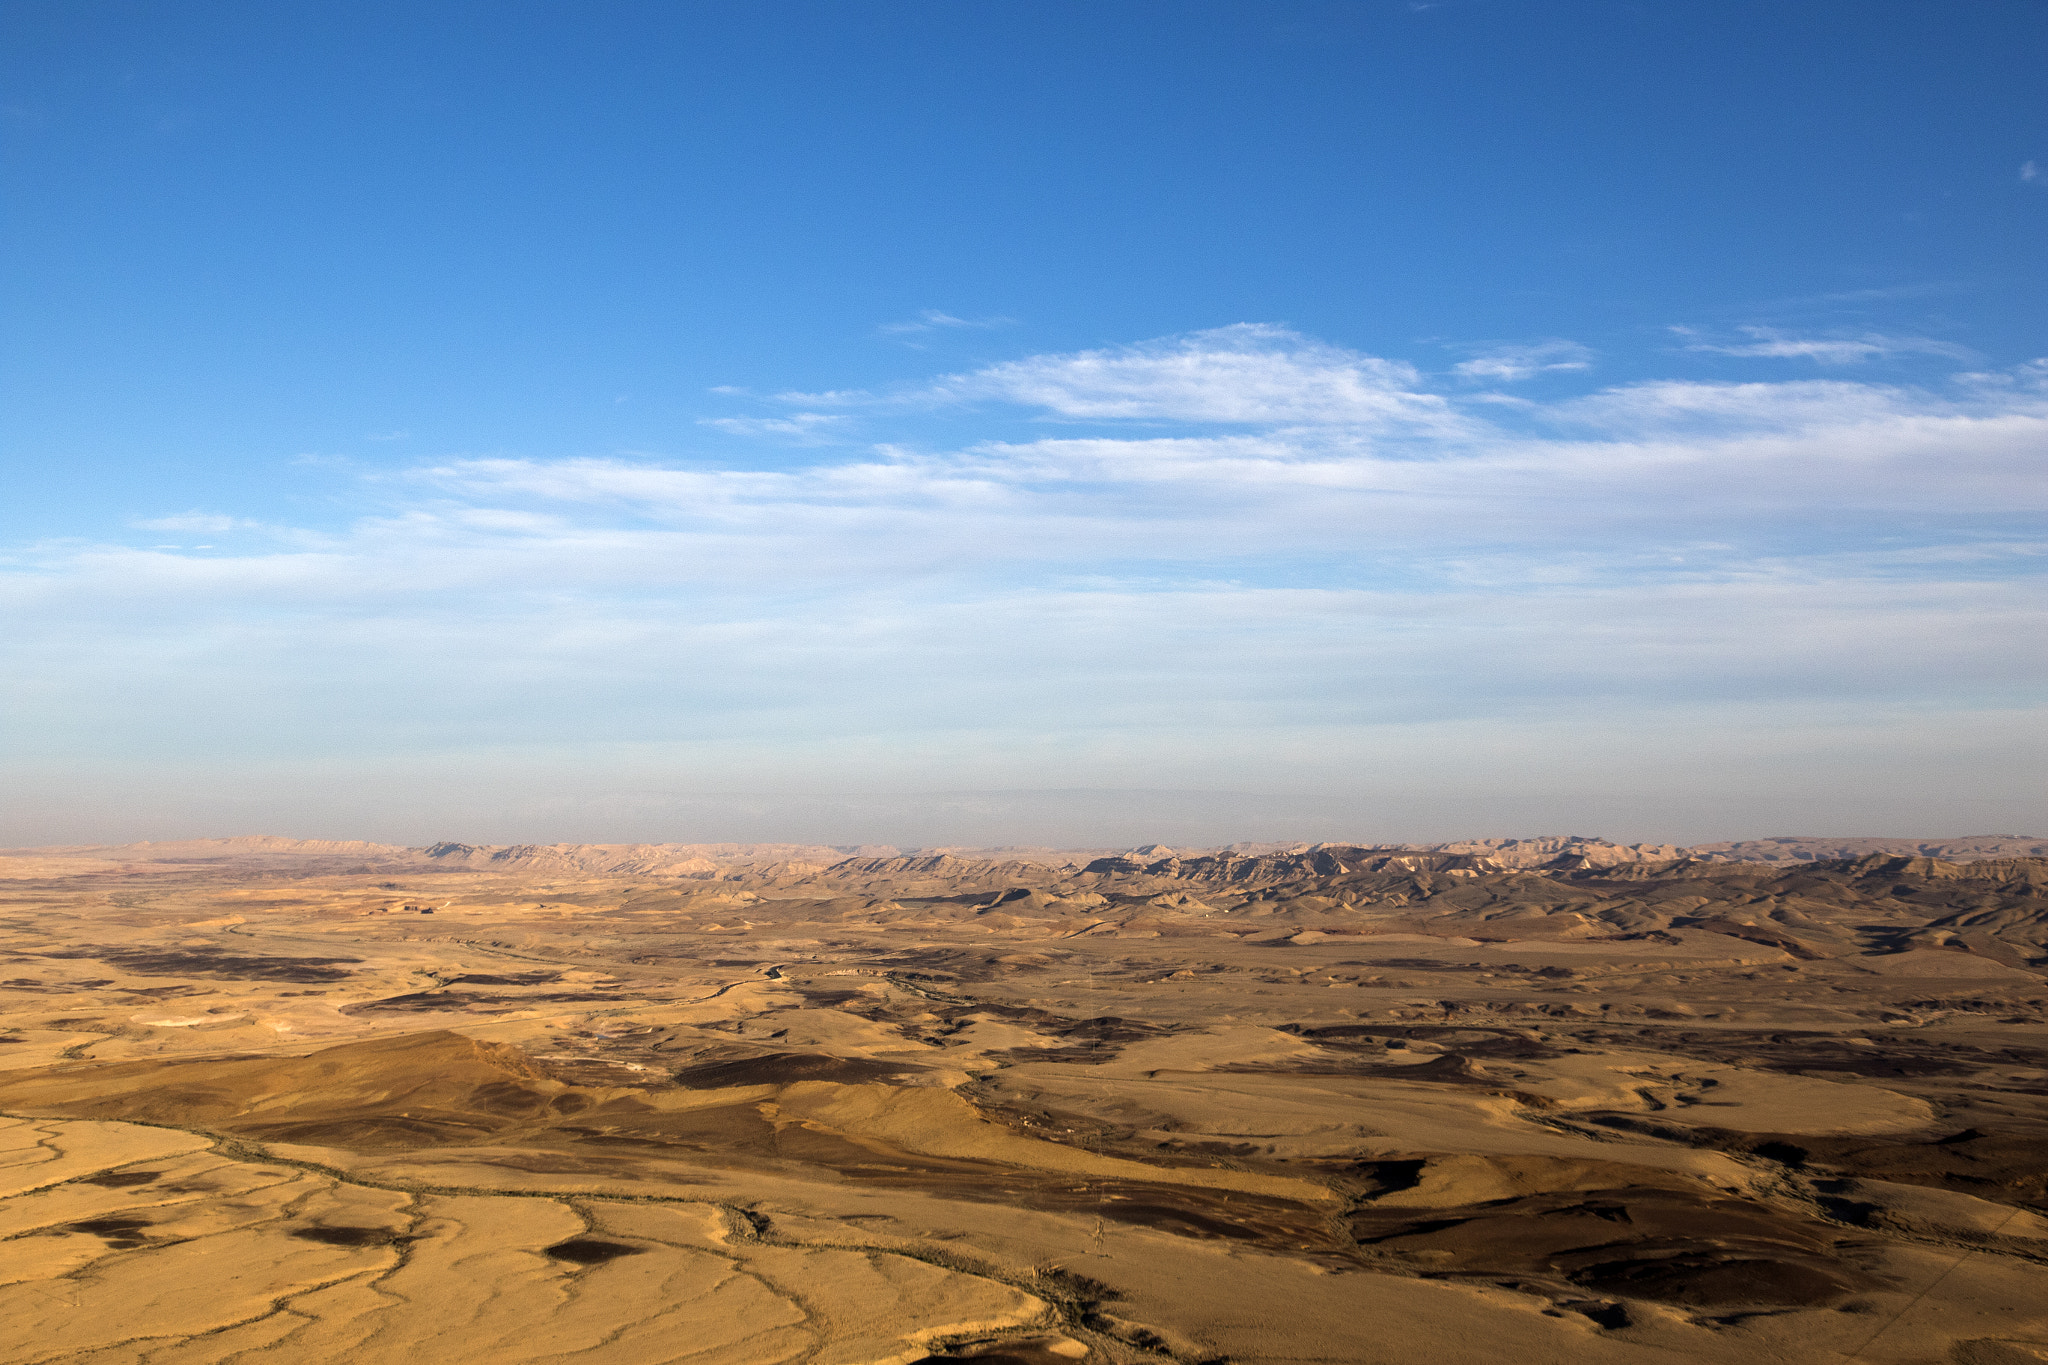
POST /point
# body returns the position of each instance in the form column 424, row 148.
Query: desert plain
column 1533, row 1101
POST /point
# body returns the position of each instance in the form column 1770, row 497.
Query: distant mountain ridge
column 1800, row 849
column 1235, row 862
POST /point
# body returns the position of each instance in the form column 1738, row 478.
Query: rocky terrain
column 1541, row 1100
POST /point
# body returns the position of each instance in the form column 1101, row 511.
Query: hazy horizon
column 979, row 819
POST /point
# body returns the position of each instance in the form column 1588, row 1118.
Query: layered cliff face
column 1526, row 1100
column 1574, row 849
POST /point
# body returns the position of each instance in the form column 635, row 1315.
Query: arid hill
column 1513, row 1100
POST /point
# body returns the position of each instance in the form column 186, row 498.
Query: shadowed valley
column 1542, row 1100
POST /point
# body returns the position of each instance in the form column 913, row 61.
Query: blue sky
column 1160, row 421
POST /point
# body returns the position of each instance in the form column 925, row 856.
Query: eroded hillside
column 1331, row 1103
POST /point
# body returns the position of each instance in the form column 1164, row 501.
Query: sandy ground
column 1290, row 1108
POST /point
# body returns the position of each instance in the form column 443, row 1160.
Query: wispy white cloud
column 1660, row 406
column 1525, row 361
column 2030, row 171
column 205, row 523
column 1244, row 545
column 932, row 320
column 1837, row 298
column 1826, row 350
column 1245, row 374
column 1249, row 374
column 806, row 428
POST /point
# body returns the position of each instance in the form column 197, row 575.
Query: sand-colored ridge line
column 1069, row 1300
column 425, row 1073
